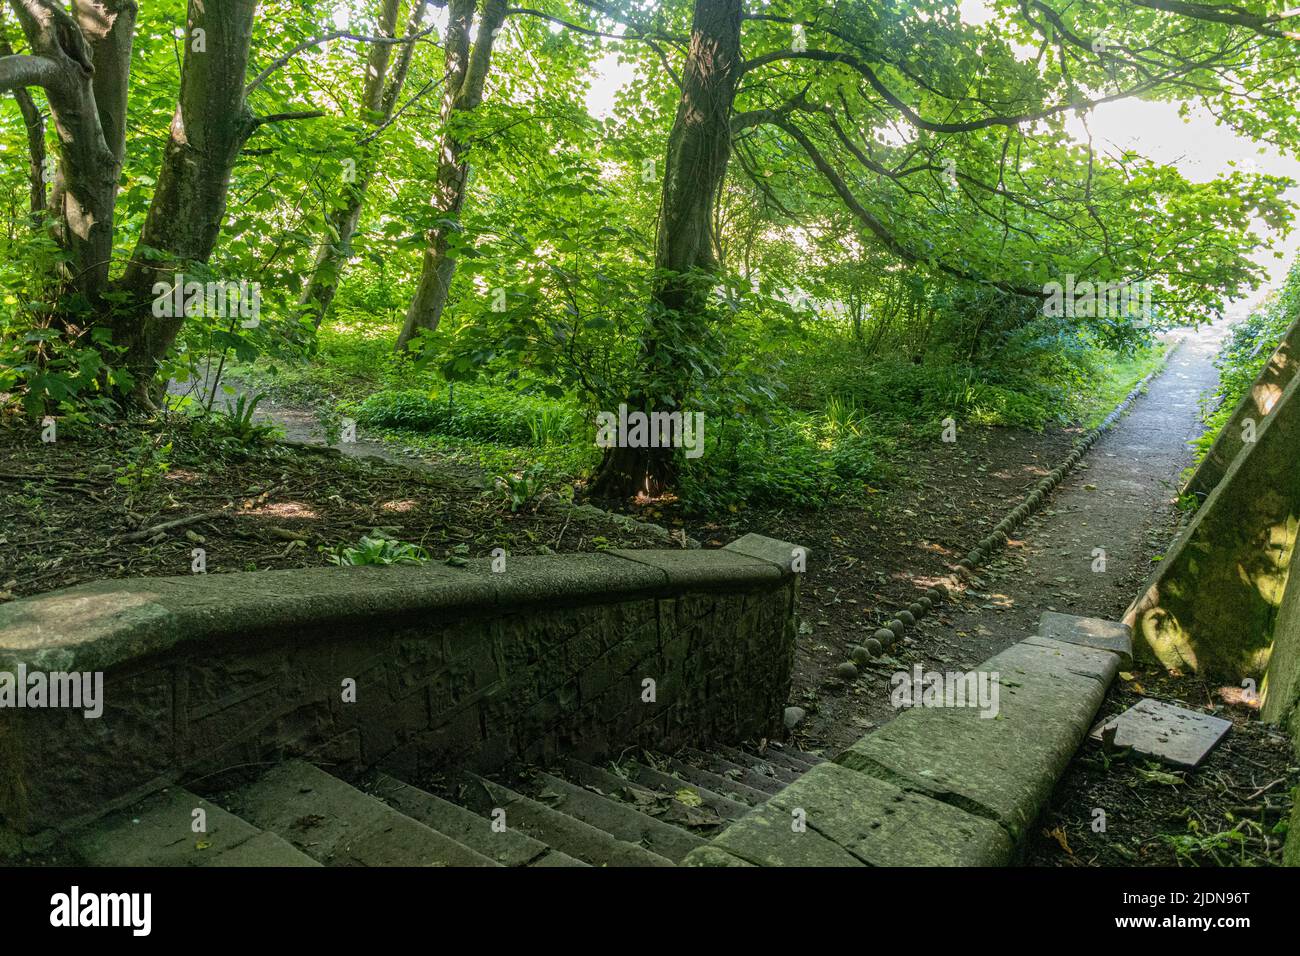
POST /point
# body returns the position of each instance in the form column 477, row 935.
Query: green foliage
column 43, row 368
column 150, row 461
column 485, row 414
column 1244, row 354
column 378, row 548
column 521, row 488
column 797, row 461
column 830, row 329
column 234, row 426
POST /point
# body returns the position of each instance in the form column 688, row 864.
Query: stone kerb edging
column 1034, row 500
column 893, row 629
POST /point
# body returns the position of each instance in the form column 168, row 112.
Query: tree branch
column 20, row 71
column 968, row 126
column 1222, row 13
column 259, row 121
column 874, row 225
column 279, row 62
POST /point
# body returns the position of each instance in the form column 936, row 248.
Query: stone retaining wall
column 212, row 672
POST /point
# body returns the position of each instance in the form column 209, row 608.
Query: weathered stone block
column 1089, row 632
column 1001, row 768
column 852, row 819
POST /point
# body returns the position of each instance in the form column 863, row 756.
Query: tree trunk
column 34, row 120
column 86, row 185
column 379, row 101
column 211, row 124
column 466, row 73
column 699, row 148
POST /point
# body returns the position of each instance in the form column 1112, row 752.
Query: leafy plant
column 150, row 461
column 378, row 548
column 521, row 487
column 235, row 424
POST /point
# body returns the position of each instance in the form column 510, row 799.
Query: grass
column 1122, row 375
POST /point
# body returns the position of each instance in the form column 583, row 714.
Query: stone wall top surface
column 95, row 626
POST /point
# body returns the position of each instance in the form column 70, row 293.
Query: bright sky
column 1201, row 151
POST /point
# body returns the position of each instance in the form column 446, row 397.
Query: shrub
column 493, row 415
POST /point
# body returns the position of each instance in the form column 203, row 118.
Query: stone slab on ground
column 1089, row 632
column 159, row 831
column 1048, row 656
column 1173, row 734
column 853, row 819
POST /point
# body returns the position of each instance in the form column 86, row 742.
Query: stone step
column 159, row 831
column 509, row 847
column 559, row 830
column 763, row 765
column 715, row 763
column 798, row 760
column 649, row 780
column 335, row 823
column 620, row 820
column 716, row 782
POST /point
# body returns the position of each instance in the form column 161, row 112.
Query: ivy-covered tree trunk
column 379, row 101
column 699, row 148
column 466, row 74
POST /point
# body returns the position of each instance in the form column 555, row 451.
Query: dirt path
column 305, row 426
column 867, row 564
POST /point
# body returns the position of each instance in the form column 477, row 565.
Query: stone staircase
column 648, row 811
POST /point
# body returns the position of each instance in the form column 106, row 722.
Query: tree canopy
column 436, row 164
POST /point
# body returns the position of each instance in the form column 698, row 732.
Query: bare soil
column 69, row 510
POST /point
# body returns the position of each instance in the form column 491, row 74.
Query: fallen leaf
column 1058, row 835
column 689, row 797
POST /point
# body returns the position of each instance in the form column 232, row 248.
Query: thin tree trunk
column 699, row 148
column 34, row 120
column 379, row 101
column 466, row 74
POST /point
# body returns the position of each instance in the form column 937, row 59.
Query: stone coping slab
column 835, row 816
column 1089, row 632
column 1042, row 655
column 780, row 553
column 939, row 785
column 94, row 626
column 704, row 569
